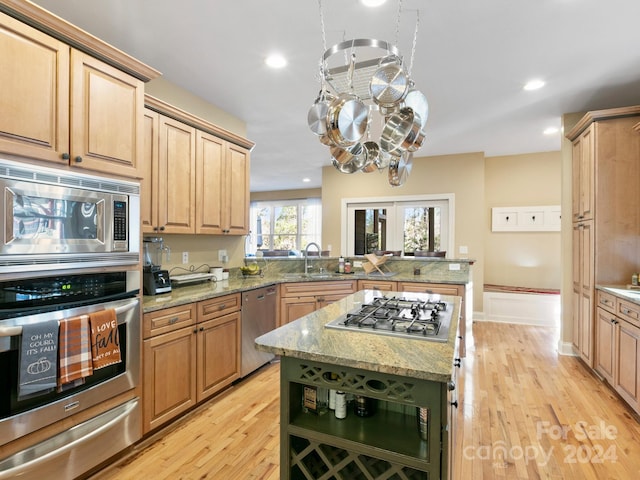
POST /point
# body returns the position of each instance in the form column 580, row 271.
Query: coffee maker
column 154, row 279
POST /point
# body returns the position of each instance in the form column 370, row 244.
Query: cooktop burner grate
column 404, row 317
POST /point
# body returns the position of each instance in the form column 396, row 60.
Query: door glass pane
column 370, row 232
column 422, row 229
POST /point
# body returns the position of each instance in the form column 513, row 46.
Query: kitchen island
column 399, row 374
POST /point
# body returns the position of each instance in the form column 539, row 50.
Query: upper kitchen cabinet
column 199, row 175
column 168, row 190
column 62, row 104
column 222, row 186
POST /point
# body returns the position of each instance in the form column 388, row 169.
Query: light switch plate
column 454, row 266
column 222, row 255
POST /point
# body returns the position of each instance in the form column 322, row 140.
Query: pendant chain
column 415, row 41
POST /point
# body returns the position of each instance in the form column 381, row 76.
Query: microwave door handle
column 17, row 330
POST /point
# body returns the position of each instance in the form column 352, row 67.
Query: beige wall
column 181, row 98
column 462, row 175
column 523, row 259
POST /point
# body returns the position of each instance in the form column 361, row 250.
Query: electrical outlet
column 464, row 249
column 357, row 264
column 185, row 257
column 222, row 256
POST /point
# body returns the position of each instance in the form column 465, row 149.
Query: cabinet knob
column 457, row 362
column 65, row 156
column 454, row 404
column 451, row 386
column 78, row 159
column 195, row 330
column 202, row 329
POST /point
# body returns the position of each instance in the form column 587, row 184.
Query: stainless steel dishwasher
column 258, row 317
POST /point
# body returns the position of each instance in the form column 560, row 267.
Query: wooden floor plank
column 525, row 413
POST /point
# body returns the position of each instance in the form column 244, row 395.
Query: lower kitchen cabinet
column 169, row 376
column 617, row 347
column 190, row 352
column 301, row 298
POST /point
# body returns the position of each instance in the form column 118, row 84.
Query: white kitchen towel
column 38, row 358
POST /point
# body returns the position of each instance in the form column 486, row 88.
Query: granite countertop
column 307, row 338
column 621, row 291
column 202, row 291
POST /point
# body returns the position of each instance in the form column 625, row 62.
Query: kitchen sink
column 296, row 276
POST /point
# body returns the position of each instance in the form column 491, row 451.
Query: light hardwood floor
column 526, row 413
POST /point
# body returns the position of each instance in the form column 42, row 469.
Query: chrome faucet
column 306, row 255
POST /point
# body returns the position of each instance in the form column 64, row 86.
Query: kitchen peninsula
column 403, row 376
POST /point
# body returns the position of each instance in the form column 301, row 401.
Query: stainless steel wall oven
column 58, row 297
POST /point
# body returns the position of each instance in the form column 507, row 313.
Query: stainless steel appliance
column 258, row 318
column 60, row 219
column 411, row 315
column 155, row 280
column 106, row 402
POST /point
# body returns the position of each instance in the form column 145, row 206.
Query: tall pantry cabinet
column 605, row 212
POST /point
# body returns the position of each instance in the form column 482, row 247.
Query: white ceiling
column 472, row 59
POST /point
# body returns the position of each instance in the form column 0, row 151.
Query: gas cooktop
column 412, row 315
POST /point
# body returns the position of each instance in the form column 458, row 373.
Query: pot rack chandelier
column 368, row 112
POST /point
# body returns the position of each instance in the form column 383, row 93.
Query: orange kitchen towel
column 74, row 350
column 105, row 341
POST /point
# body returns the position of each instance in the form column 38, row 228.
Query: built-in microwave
column 60, row 219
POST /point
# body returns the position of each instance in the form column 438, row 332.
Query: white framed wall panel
column 526, row 219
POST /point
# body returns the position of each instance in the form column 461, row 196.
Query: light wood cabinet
column 605, row 212
column 618, row 347
column 583, row 175
column 199, row 181
column 190, row 353
column 379, row 285
column 66, row 107
column 169, row 365
column 222, row 186
column 583, row 290
column 302, row 298
column 169, row 200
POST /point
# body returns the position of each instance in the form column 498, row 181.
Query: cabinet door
column 34, row 74
column 106, row 117
column 149, row 182
column 237, row 191
column 583, row 167
column 587, row 173
column 218, row 354
column 605, row 344
column 292, row 308
column 176, row 187
column 628, row 374
column 169, row 381
column 324, row 300
column 210, row 156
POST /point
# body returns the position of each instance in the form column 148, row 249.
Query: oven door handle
column 17, row 330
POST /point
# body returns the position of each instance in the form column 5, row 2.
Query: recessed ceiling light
column 276, row 61
column 372, row 3
column 306, row 179
column 534, row 84
column 550, row 130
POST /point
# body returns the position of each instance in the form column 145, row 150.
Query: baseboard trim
column 566, row 348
